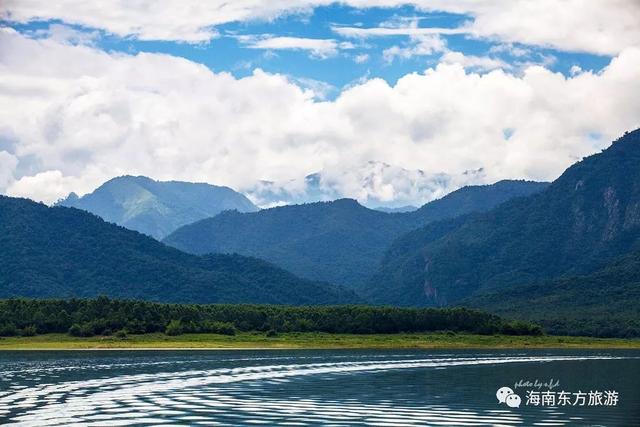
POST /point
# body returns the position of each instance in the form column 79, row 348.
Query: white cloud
column 8, row 165
column 66, row 34
column 359, row 32
column 44, row 186
column 510, row 49
column 575, row 69
column 604, row 27
column 422, row 45
column 361, row 59
column 376, row 183
column 78, row 116
column 595, row 26
column 319, row 48
column 483, row 63
column 372, row 183
column 320, row 90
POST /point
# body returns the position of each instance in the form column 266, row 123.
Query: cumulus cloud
column 574, row 25
column 78, row 116
column 43, row 186
column 601, row 27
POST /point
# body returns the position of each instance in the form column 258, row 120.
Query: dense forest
column 64, row 252
column 582, row 221
column 104, row 316
column 603, row 304
column 341, row 242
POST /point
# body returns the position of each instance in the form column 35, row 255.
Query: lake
column 318, row 387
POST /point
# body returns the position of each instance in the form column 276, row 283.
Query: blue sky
column 390, row 105
column 226, row 52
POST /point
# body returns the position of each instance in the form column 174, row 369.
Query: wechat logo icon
column 507, row 396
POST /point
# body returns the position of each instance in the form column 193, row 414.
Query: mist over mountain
column 374, row 184
column 585, row 219
column 157, row 208
column 62, row 252
column 341, row 241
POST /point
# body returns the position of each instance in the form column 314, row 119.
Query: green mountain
column 62, row 252
column 157, row 208
column 605, row 303
column 583, row 220
column 473, row 198
column 340, row 242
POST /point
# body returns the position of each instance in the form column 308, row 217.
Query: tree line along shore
column 104, row 317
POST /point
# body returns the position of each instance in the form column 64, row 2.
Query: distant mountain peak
column 72, row 197
column 157, row 208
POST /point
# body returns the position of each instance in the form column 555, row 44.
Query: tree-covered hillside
column 333, row 241
column 340, row 242
column 605, row 303
column 157, row 208
column 64, row 252
column 583, row 220
column 474, row 198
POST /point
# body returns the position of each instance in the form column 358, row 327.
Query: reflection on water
column 307, row 387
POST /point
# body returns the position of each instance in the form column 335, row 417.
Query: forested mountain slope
column 582, row 221
column 604, row 303
column 341, row 241
column 64, row 252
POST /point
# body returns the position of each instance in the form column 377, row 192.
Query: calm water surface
column 311, row 387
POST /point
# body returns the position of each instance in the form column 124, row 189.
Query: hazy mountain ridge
column 156, row 208
column 583, row 220
column 340, row 241
column 63, row 252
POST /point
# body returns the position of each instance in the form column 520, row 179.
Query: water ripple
column 268, row 393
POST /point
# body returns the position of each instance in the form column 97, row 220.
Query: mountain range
column 341, row 241
column 157, row 208
column 564, row 254
column 562, row 241
column 59, row 252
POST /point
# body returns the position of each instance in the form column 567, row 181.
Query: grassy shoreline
column 247, row 341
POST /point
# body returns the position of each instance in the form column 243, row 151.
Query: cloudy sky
column 393, row 102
